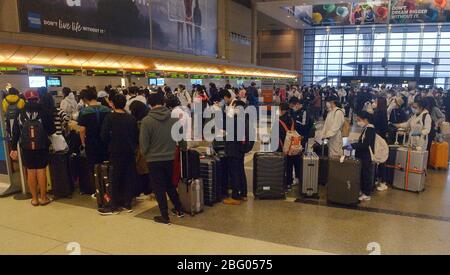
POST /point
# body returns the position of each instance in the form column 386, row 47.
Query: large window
column 399, row 51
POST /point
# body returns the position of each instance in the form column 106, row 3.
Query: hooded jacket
column 69, row 105
column 155, row 140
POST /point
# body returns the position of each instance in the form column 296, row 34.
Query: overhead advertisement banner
column 187, row 26
column 420, row 11
column 343, row 14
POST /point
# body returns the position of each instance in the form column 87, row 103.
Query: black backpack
column 33, row 136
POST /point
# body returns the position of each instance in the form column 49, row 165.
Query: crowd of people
column 131, row 128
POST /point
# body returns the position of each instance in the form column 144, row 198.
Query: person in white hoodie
column 419, row 125
column 69, row 104
column 184, row 96
column 332, row 129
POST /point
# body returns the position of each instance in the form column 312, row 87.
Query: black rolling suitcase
column 192, row 170
column 212, row 172
column 322, row 152
column 344, row 185
column 103, row 176
column 63, row 186
column 269, row 179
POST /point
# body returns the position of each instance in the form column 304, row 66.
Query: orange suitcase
column 439, row 155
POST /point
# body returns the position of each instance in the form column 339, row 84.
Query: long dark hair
column 381, row 105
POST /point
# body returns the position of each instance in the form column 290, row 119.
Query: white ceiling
column 274, row 9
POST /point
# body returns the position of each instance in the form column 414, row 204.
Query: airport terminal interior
column 360, row 169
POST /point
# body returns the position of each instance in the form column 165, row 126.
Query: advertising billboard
column 343, row 14
column 420, row 11
column 187, row 26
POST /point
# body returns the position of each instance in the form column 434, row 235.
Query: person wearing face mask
column 420, row 125
column 302, row 118
column 362, row 152
column 332, row 129
column 397, row 115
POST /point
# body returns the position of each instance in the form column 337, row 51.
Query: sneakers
column 382, row 187
column 364, row 198
column 177, row 213
column 107, row 212
column 162, row 220
column 231, row 201
column 127, row 210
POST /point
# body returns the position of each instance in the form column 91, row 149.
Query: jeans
column 161, row 180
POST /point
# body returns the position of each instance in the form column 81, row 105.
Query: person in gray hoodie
column 159, row 148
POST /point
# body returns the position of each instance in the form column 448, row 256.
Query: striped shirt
column 61, row 120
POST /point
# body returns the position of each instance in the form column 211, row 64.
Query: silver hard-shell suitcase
column 310, row 179
column 191, row 196
column 411, row 170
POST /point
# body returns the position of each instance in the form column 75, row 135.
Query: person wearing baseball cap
column 32, row 127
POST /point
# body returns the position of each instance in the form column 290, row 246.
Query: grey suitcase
column 269, row 176
column 344, row 181
column 310, row 178
column 411, row 170
column 191, row 190
column 191, row 196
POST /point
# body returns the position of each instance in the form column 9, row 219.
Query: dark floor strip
column 375, row 210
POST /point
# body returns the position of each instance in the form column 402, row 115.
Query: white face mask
column 361, row 124
column 416, row 111
column 328, row 105
column 374, row 105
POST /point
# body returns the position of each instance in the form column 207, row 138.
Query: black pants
column 123, row 181
column 367, row 176
column 236, row 172
column 292, row 164
column 161, row 180
column 382, row 173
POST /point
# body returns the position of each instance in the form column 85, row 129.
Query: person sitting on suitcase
column 120, row 132
column 292, row 162
column 32, row 127
column 366, row 141
column 159, row 148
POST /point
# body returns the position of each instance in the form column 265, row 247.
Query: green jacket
column 155, row 140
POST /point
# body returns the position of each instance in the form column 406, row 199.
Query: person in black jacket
column 380, row 121
column 120, row 132
column 292, row 162
column 366, row 141
column 34, row 159
column 235, row 150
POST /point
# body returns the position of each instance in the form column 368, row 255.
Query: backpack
column 381, row 148
column 293, row 142
column 12, row 109
column 346, row 128
column 33, row 136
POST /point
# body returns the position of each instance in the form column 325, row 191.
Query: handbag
column 59, row 143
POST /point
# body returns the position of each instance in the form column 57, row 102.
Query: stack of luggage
column 411, row 168
column 190, row 188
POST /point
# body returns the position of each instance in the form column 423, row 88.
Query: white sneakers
column 382, row 187
column 364, row 198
